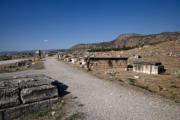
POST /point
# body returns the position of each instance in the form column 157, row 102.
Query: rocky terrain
column 131, row 40
column 102, row 99
column 167, row 53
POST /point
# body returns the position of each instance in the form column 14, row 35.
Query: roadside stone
column 136, row 77
column 9, row 97
column 35, row 94
column 53, row 113
column 17, row 111
column 23, row 94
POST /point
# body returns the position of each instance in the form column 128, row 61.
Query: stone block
column 9, row 97
column 23, row 94
column 1, row 115
column 14, row 112
column 35, row 94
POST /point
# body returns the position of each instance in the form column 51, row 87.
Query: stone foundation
column 23, row 94
column 13, row 65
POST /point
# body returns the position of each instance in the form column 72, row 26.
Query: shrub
column 174, row 86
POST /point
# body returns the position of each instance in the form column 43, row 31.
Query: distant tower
column 37, row 55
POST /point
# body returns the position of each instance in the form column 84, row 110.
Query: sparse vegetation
column 155, row 43
column 144, row 87
column 74, row 97
column 160, row 88
column 81, row 105
column 174, row 86
column 134, row 83
column 166, row 84
column 111, row 49
column 77, row 116
column 46, row 113
column 38, row 65
column 119, row 79
column 174, row 96
column 166, row 73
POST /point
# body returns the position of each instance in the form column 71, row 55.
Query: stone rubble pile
column 75, row 58
column 105, row 61
column 13, row 65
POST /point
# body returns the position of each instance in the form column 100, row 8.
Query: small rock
column 53, row 113
column 136, row 77
column 14, row 77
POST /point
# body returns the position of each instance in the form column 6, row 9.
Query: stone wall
column 148, row 67
column 107, row 63
column 24, row 94
column 13, row 65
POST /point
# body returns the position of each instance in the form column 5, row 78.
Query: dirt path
column 104, row 100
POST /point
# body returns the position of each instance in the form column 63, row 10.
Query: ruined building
column 37, row 55
column 148, row 67
column 99, row 63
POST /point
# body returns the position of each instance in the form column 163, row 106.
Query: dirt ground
column 64, row 109
column 167, row 84
column 101, row 99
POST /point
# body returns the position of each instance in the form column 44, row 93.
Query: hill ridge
column 130, row 40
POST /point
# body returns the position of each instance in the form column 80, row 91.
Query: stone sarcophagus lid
column 148, row 67
column 23, row 94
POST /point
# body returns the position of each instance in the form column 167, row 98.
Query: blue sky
column 59, row 24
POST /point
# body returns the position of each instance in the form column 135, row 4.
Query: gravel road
column 105, row 100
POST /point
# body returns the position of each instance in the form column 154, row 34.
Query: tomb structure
column 20, row 95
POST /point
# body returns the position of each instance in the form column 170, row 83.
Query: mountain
column 17, row 52
column 130, row 40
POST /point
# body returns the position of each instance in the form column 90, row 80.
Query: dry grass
column 77, row 116
column 167, row 85
column 38, row 65
column 64, row 109
column 46, row 113
column 164, row 85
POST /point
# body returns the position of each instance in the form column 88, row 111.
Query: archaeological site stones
column 148, row 67
column 13, row 65
column 23, row 94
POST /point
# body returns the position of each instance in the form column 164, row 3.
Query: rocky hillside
column 131, row 40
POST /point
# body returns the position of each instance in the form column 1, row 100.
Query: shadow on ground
column 61, row 88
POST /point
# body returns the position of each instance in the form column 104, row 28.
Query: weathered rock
column 34, row 94
column 17, row 111
column 1, row 115
column 23, row 94
column 9, row 94
column 9, row 97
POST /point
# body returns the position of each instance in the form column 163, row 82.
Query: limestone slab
column 14, row 112
column 35, row 94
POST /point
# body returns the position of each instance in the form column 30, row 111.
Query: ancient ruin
column 37, row 55
column 20, row 95
column 13, row 65
column 92, row 61
column 106, row 63
column 148, row 67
